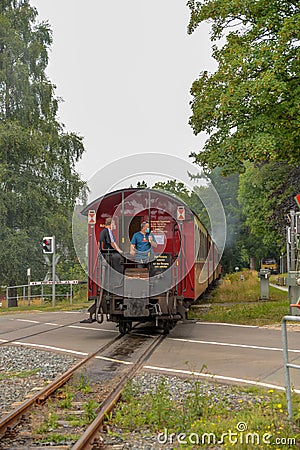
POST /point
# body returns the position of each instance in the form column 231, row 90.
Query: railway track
column 111, row 367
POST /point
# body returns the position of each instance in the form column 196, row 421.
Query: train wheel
column 125, row 327
column 100, row 318
column 99, row 311
column 100, row 315
column 166, row 327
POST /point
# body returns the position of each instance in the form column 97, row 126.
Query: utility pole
column 28, row 288
column 287, row 250
column 49, row 247
column 293, row 242
column 53, row 272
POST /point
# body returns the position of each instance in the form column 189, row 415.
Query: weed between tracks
column 205, row 414
column 72, row 408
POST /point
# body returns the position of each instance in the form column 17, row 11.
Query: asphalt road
column 228, row 353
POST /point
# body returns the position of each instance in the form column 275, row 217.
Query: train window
column 203, row 247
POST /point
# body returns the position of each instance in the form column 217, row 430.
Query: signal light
column 48, row 244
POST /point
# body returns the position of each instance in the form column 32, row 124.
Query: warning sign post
column 180, row 213
column 92, row 217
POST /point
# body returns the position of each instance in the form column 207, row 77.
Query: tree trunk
column 252, row 263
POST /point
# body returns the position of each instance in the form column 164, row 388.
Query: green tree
column 250, row 105
column 39, row 183
column 174, row 187
column 235, row 251
column 266, row 195
column 141, row 184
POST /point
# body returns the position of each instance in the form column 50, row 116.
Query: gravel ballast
column 25, row 370
column 18, row 383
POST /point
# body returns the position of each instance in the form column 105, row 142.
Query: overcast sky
column 124, row 70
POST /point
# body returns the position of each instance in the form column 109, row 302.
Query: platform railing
column 287, row 364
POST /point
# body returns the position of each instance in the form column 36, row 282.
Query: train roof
column 95, row 203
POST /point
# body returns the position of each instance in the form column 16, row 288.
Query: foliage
column 173, row 187
column 22, row 374
column 250, row 105
column 266, row 194
column 203, row 195
column 39, row 184
column 257, row 313
column 255, row 204
column 227, row 189
column 68, row 396
column 236, row 300
column 141, row 184
column 51, row 423
column 84, row 384
column 90, row 411
column 59, row 438
column 200, row 415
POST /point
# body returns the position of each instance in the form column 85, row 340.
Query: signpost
column 49, row 247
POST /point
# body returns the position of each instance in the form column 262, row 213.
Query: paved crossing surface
column 226, row 352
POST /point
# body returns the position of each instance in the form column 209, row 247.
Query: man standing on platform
column 141, row 245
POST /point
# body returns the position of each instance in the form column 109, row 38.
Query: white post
column 53, row 273
column 28, row 289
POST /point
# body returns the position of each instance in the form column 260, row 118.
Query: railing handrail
column 287, row 366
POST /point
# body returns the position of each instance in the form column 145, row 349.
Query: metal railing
column 42, row 290
column 287, row 364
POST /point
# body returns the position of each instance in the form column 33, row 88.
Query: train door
column 131, row 226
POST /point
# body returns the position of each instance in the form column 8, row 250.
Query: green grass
column 22, row 374
column 237, row 301
column 234, row 289
column 60, row 439
column 259, row 314
column 196, row 415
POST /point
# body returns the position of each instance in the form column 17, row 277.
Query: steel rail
column 12, row 418
column 89, row 437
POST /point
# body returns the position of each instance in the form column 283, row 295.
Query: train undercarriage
column 134, row 303
column 140, row 310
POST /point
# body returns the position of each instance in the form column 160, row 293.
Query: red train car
column 183, row 265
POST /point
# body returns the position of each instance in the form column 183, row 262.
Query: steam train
column 183, row 265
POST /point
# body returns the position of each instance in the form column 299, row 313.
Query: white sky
column 124, row 70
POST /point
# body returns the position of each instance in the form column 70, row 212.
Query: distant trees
column 196, row 199
column 39, row 183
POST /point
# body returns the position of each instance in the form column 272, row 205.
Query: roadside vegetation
column 236, row 300
column 206, row 412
